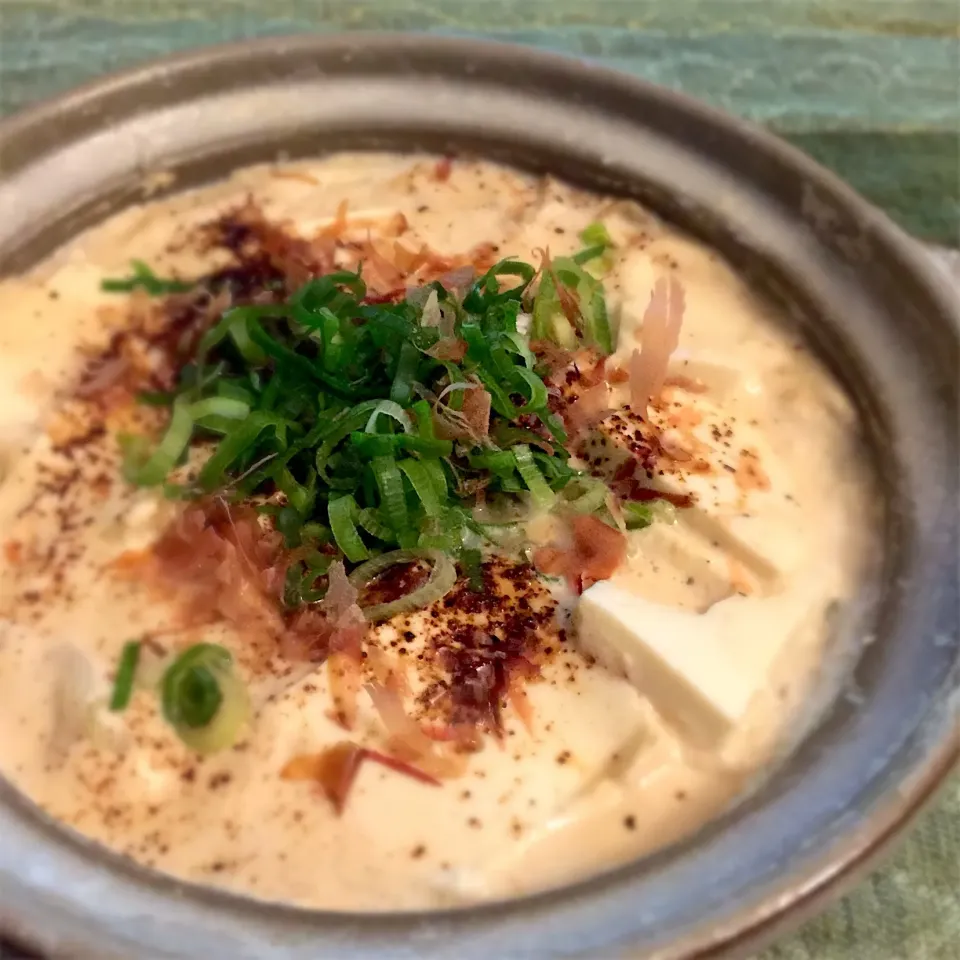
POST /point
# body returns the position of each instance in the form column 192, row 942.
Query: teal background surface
column 870, row 88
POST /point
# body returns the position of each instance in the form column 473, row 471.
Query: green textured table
column 868, row 87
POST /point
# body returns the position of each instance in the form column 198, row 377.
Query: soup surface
column 439, row 580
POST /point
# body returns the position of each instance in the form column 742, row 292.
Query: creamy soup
column 631, row 505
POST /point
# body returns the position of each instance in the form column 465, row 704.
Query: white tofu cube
column 742, row 496
column 701, row 671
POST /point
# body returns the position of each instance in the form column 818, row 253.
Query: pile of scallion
column 348, row 422
column 335, row 403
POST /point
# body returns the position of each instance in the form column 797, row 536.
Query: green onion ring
column 203, row 700
column 390, row 409
column 592, row 499
column 442, row 578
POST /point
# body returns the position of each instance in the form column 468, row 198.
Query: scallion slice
column 402, row 388
column 636, row 515
column 596, row 234
column 589, row 495
column 126, row 673
column 343, row 523
column 234, row 445
column 442, row 578
column 229, row 409
column 154, row 469
column 527, row 382
column 369, row 518
column 423, row 485
column 472, row 562
column 389, row 408
column 143, row 278
column 202, row 699
column 393, row 503
column 542, row 494
column 597, row 242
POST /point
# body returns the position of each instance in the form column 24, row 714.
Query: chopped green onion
column 596, row 234
column 640, row 515
column 506, row 436
column 636, row 515
column 301, row 496
column 202, row 699
column 423, row 413
column 437, row 477
column 191, row 693
column 542, row 494
column 597, row 245
column 144, row 278
column 316, row 533
column 343, row 523
column 330, row 402
column 346, row 422
column 402, row 388
column 593, row 307
column 486, row 290
column 526, row 381
column 597, row 242
column 548, row 321
column 153, row 470
column 597, row 320
column 519, row 344
column 393, row 502
column 297, row 589
column 369, row 518
column 423, row 485
column 442, row 578
column 239, row 441
column 589, row 496
column 388, row 444
column 663, row 511
column 126, row 672
column 472, row 561
column 557, row 430
column 500, row 462
column 590, row 253
column 390, row 409
column 220, row 407
column 289, row 525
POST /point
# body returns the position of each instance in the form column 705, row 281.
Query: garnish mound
column 354, row 434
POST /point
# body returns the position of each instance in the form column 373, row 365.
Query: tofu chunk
column 742, row 497
column 701, row 671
